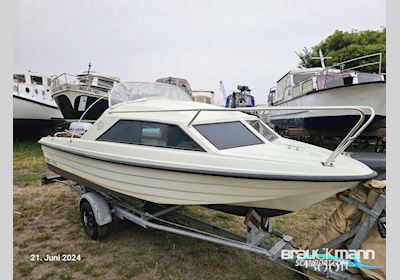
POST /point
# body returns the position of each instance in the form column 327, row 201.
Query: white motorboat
column 329, row 86
column 75, row 94
column 155, row 144
column 34, row 111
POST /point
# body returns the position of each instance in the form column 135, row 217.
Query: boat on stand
column 35, row 113
column 74, row 94
column 330, row 86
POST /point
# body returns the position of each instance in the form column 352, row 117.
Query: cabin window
column 297, row 78
column 297, row 91
column 288, row 89
column 307, row 86
column 85, row 80
column 283, row 89
column 334, row 81
column 149, row 134
column 105, row 83
column 19, row 78
column 280, row 89
column 363, row 78
column 36, row 80
column 263, row 130
column 228, row 135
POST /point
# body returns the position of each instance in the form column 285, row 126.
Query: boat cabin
column 31, row 78
column 205, row 96
column 104, row 83
column 299, row 82
column 32, row 85
column 85, row 81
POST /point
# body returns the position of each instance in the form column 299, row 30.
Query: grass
column 28, row 163
column 46, row 221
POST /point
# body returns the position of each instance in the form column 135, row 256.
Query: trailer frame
column 109, row 205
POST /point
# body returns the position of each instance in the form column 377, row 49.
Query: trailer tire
column 90, row 226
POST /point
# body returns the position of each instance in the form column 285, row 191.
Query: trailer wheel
column 92, row 229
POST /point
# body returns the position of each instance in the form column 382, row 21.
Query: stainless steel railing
column 65, row 80
column 342, row 65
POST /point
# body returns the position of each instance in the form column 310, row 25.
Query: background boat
column 35, row 113
column 329, row 87
column 240, row 98
column 75, row 94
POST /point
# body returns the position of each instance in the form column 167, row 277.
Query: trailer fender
column 101, row 210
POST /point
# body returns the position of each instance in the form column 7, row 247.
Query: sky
column 249, row 42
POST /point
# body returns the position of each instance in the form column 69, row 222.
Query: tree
column 342, row 46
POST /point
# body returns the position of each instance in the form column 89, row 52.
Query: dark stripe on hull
column 35, row 129
column 340, row 125
column 242, row 210
column 71, row 112
column 231, row 209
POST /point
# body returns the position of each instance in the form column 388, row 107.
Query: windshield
column 228, row 135
column 137, row 90
column 365, row 78
column 263, row 130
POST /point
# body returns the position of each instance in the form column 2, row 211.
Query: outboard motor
column 79, row 128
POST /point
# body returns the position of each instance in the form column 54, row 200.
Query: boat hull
column 73, row 103
column 370, row 94
column 185, row 188
column 32, row 119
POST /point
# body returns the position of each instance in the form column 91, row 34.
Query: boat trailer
column 98, row 207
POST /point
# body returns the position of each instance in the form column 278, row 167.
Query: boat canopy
column 130, row 91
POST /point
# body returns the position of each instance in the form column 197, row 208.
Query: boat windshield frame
column 268, row 134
